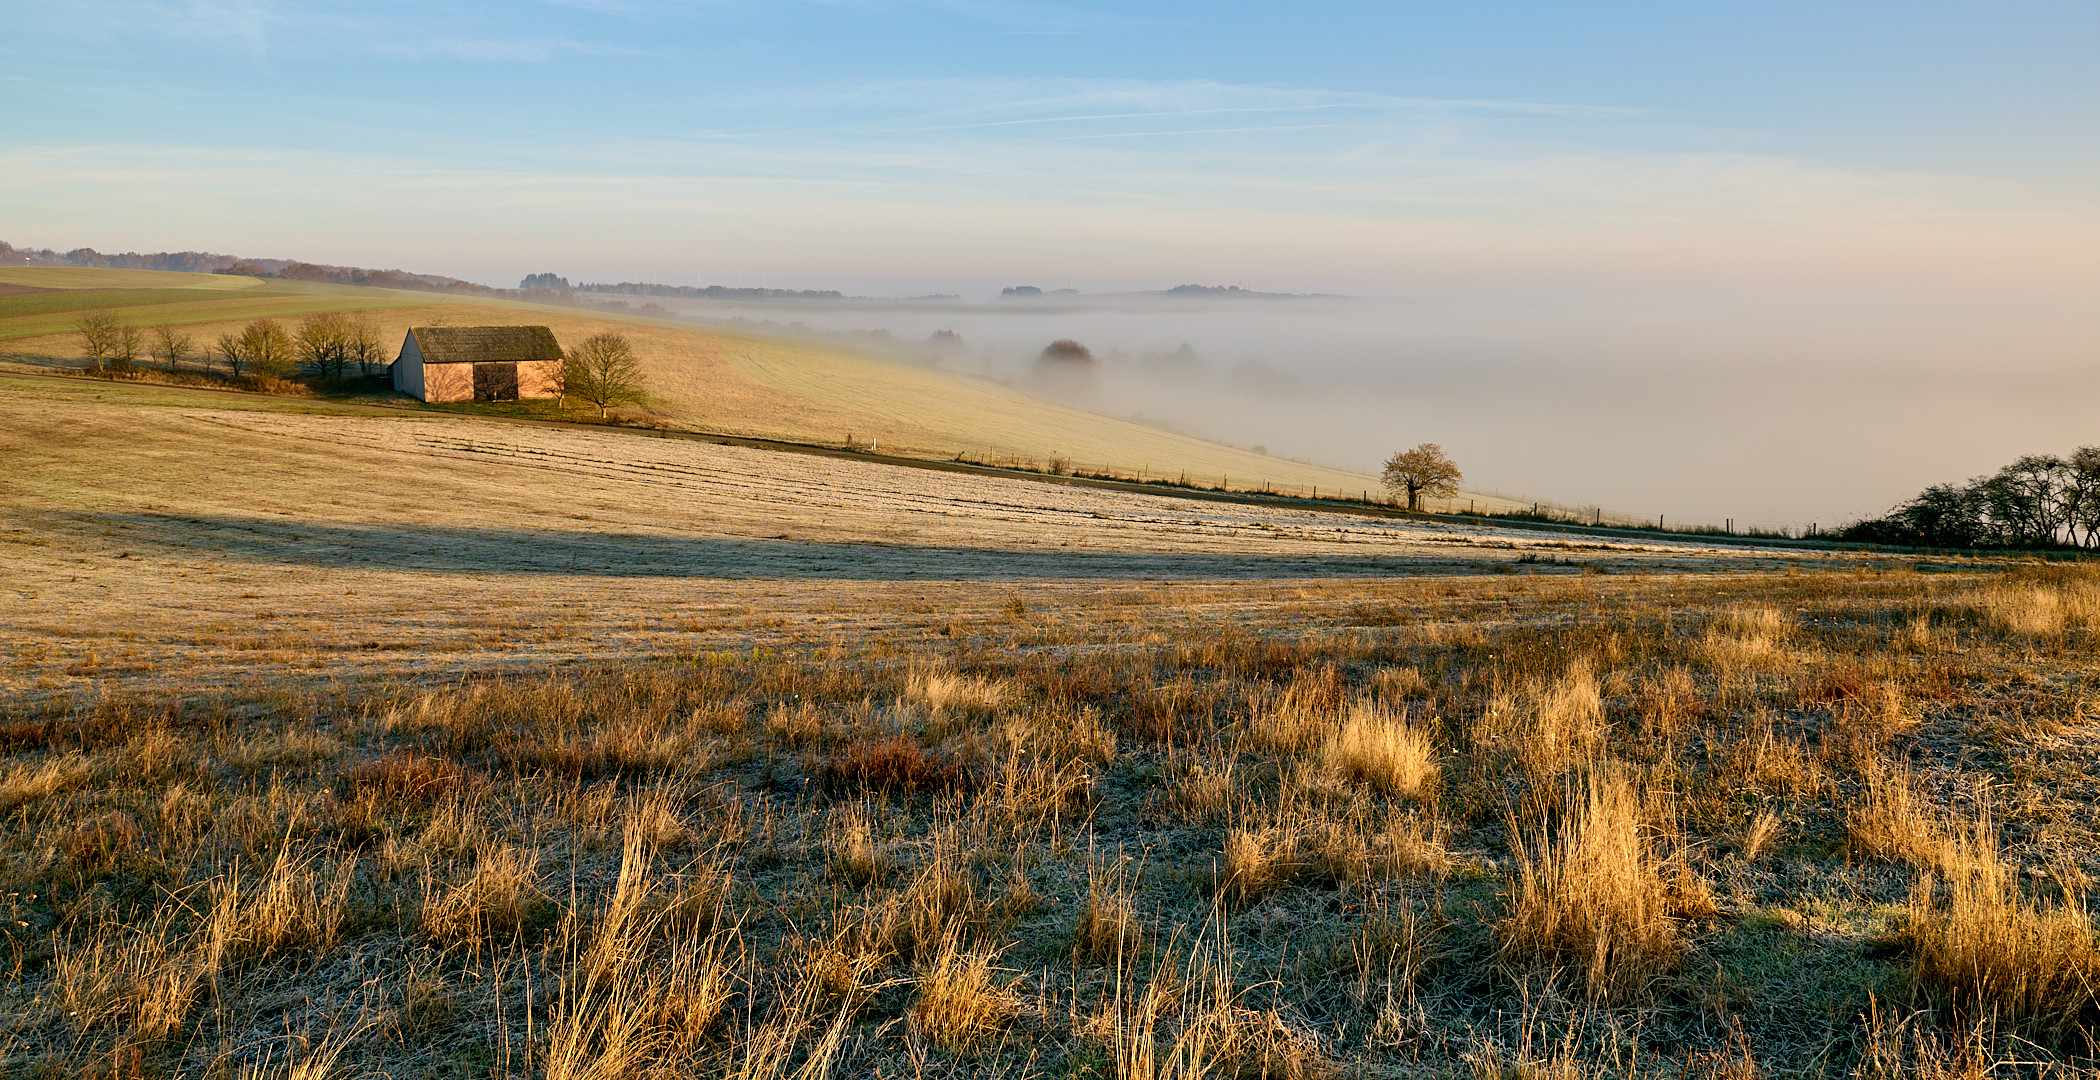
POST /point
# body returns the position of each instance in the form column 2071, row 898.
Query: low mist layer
column 1765, row 405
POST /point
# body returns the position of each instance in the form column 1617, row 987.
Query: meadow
column 340, row 745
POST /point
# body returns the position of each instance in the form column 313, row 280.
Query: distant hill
column 539, row 287
column 205, row 262
column 1234, row 292
column 711, row 292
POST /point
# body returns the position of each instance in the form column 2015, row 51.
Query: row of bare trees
column 327, row 345
column 2038, row 501
column 114, row 346
column 333, row 343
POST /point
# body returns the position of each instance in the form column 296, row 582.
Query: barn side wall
column 448, row 382
column 539, row 378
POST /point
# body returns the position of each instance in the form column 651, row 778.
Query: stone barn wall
column 539, row 378
column 448, row 382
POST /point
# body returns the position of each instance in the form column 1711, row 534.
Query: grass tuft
column 1382, row 750
column 1590, row 893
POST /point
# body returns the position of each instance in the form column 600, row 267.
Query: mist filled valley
column 1770, row 405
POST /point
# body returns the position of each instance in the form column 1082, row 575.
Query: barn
column 478, row 363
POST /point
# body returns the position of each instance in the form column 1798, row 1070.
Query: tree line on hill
column 329, row 345
column 2038, row 501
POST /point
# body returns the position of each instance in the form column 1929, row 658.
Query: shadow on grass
column 463, row 550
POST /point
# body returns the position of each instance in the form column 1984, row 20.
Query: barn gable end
column 407, row 369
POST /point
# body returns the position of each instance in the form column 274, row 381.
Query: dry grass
column 1996, row 952
column 1381, row 749
column 1299, row 718
column 494, row 901
column 962, row 997
column 627, row 1003
column 298, row 904
column 942, row 692
column 1254, row 861
column 1547, row 725
column 1108, row 931
column 1892, row 820
column 1748, row 638
column 703, row 801
column 35, row 782
column 855, row 857
column 1590, row 893
column 141, row 983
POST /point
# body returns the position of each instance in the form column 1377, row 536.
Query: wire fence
column 1489, row 505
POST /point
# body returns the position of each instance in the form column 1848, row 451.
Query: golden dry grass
column 962, row 998
column 1892, row 820
column 1995, row 951
column 774, row 808
column 1383, row 750
column 1590, row 893
column 1548, row 725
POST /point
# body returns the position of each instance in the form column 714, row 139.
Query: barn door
column 495, row 382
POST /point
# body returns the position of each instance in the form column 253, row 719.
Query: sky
column 1797, row 213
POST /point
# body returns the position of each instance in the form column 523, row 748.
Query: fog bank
column 1766, row 405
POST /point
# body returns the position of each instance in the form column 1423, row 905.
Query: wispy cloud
column 500, row 50
column 267, row 28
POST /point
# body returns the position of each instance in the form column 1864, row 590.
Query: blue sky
column 908, row 147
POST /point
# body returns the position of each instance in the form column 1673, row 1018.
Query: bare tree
column 361, row 344
column 324, row 344
column 2039, row 500
column 2082, row 495
column 267, row 349
column 228, row 350
column 98, row 335
column 129, row 344
column 601, row 370
column 172, row 346
column 1424, row 470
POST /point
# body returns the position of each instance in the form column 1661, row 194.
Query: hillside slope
column 732, row 382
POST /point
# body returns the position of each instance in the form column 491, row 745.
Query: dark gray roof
column 468, row 344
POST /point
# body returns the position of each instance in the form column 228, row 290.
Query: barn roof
column 471, row 344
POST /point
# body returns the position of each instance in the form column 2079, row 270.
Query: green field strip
column 191, row 311
column 82, row 277
column 12, row 307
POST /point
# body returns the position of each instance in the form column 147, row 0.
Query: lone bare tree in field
column 601, row 370
column 1424, row 470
